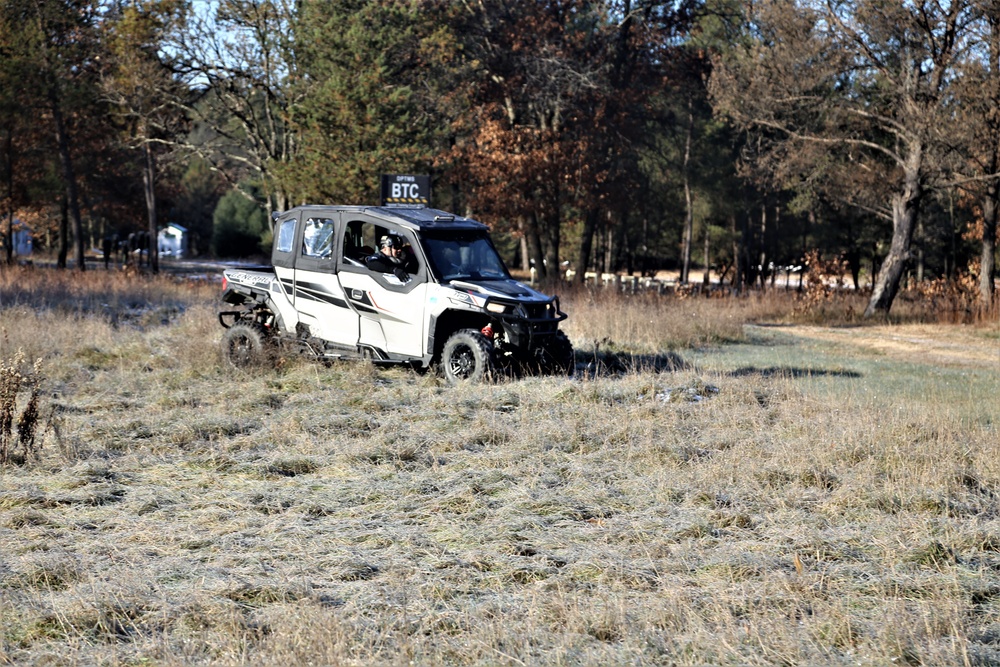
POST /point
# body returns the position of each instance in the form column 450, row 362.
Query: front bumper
column 529, row 322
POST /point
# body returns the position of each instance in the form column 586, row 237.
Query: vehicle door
column 391, row 310
column 283, row 260
column 319, row 297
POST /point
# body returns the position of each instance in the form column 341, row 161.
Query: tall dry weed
column 15, row 380
column 80, row 322
column 824, row 295
column 956, row 300
column 118, row 297
column 685, row 317
column 650, row 322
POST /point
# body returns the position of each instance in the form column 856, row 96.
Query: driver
column 390, row 258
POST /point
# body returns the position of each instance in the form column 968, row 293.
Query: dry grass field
column 722, row 482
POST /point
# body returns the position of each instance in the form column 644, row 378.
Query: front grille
column 532, row 319
column 537, row 311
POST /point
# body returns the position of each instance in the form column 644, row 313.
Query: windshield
column 464, row 257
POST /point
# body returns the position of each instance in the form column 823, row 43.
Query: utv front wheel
column 555, row 355
column 247, row 344
column 467, row 357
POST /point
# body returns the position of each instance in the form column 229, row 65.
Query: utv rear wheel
column 555, row 355
column 467, row 357
column 247, row 344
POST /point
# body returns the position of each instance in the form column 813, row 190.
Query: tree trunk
column 552, row 229
column 63, row 234
column 853, row 253
column 991, row 198
column 762, row 261
column 952, row 233
column 706, row 279
column 625, row 254
column 10, row 194
column 905, row 209
column 987, row 266
column 552, row 240
column 586, row 244
column 149, row 185
column 534, row 245
column 69, row 177
column 737, row 255
column 688, row 209
column 810, row 224
column 623, row 249
column 644, row 259
column 609, row 247
column 775, row 233
column 920, row 252
column 746, row 252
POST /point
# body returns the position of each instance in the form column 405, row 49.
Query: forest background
column 609, row 136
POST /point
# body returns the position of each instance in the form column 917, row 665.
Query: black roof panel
column 416, row 217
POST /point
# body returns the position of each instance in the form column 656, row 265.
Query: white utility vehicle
column 455, row 306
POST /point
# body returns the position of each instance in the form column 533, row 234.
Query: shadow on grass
column 622, row 363
column 788, row 372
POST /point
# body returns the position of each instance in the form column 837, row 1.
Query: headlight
column 495, row 307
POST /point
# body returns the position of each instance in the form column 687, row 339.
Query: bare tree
column 564, row 102
column 241, row 55
column 979, row 130
column 60, row 38
column 141, row 88
column 870, row 80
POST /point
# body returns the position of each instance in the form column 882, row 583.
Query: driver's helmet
column 390, row 241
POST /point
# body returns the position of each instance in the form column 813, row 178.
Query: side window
column 286, row 235
column 317, row 238
column 360, row 241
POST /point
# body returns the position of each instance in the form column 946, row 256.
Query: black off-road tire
column 467, row 357
column 248, row 345
column 555, row 356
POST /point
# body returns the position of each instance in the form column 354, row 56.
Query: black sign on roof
column 406, row 190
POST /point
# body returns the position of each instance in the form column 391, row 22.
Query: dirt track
column 952, row 345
